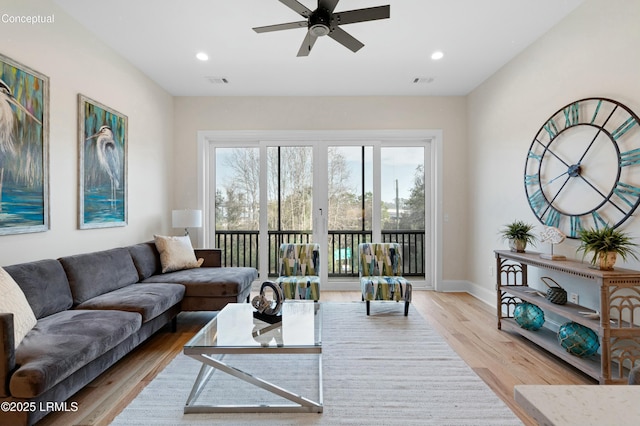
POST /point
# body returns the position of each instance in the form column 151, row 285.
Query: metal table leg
column 300, row 403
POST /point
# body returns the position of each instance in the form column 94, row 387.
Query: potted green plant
column 518, row 234
column 606, row 244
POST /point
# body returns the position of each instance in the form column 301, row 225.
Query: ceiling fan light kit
column 319, row 22
column 319, row 30
column 324, row 21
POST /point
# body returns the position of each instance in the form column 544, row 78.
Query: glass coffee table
column 235, row 331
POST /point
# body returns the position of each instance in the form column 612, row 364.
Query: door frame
column 229, row 138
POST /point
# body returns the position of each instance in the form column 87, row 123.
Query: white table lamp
column 186, row 219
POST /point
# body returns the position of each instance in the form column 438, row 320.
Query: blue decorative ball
column 528, row 316
column 578, row 339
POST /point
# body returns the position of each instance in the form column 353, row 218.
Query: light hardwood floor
column 501, row 359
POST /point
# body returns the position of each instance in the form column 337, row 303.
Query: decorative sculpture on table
column 267, row 335
column 553, row 236
column 268, row 310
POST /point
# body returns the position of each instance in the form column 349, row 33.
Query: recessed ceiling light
column 202, row 56
column 437, row 55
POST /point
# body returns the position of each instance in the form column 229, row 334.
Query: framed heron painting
column 24, row 149
column 102, row 146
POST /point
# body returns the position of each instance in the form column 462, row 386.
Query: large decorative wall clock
column 583, row 166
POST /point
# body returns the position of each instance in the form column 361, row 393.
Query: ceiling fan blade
column 298, row 7
column 307, row 44
column 345, row 39
column 330, row 5
column 278, row 27
column 361, row 15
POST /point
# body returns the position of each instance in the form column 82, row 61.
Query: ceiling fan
column 323, row 21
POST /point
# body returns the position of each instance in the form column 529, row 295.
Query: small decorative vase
column 607, row 260
column 578, row 340
column 517, row 245
column 528, row 316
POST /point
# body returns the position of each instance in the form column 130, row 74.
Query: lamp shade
column 186, row 218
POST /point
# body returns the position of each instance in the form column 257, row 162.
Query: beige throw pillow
column 14, row 301
column 176, row 253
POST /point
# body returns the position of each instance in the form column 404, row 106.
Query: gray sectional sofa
column 92, row 309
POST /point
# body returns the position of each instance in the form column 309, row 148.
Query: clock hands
column 556, row 178
column 575, row 171
column 572, row 171
column 550, row 203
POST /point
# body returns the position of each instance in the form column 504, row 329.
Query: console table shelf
column 569, row 310
column 618, row 328
column 547, row 340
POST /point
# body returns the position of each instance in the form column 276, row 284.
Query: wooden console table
column 618, row 327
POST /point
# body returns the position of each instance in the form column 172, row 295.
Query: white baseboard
column 481, row 293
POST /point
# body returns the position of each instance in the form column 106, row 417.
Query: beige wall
column 77, row 63
column 592, row 53
column 193, row 114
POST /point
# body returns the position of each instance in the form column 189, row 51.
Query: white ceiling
column 162, row 37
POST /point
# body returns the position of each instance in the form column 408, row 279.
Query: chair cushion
column 299, row 259
column 149, row 300
column 384, row 279
column 300, row 287
column 385, row 288
column 380, row 259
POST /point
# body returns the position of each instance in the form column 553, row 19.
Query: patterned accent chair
column 299, row 269
column 381, row 274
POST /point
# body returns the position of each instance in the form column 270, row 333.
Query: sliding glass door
column 289, row 204
column 236, row 204
column 333, row 192
column 403, row 209
column 349, row 175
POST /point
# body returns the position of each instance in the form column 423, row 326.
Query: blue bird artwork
column 103, row 160
column 8, row 123
column 109, row 158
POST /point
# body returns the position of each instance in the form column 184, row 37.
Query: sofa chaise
column 92, row 309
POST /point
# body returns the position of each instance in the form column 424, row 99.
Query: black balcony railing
column 240, row 248
column 343, row 252
column 413, row 253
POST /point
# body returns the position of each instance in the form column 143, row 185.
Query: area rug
column 383, row 369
